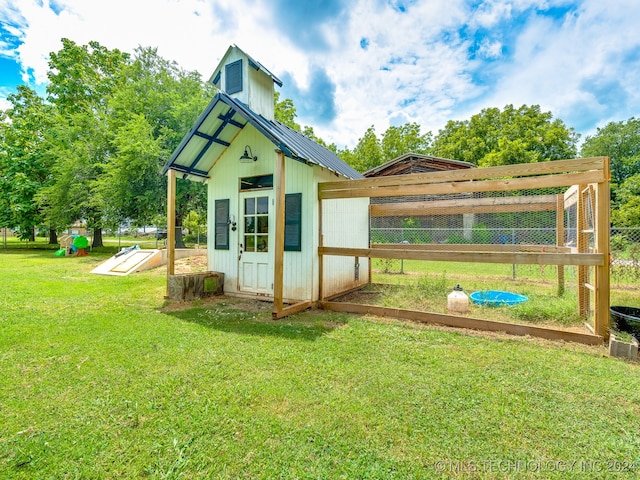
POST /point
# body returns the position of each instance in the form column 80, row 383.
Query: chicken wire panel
column 625, row 257
column 521, row 217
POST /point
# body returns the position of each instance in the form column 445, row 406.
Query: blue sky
column 349, row 65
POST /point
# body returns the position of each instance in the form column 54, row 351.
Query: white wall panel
column 299, row 266
column 224, row 183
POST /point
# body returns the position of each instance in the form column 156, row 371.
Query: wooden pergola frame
column 586, row 175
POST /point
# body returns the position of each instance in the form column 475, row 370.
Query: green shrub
column 481, row 234
column 455, row 239
column 619, row 243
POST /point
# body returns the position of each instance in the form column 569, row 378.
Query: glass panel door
column 255, row 259
column 256, row 224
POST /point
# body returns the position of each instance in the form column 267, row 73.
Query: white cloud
column 416, row 65
column 557, row 67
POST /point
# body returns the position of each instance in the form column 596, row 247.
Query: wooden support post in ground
column 581, row 243
column 602, row 233
column 278, row 271
column 320, row 255
column 560, row 239
column 171, row 224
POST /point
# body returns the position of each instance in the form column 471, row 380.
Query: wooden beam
column 473, row 247
column 602, row 279
column 171, row 225
column 320, row 257
column 560, row 239
column 520, row 170
column 464, row 322
column 278, row 270
column 448, row 188
column 292, row 309
column 582, row 245
column 519, row 258
column 529, row 203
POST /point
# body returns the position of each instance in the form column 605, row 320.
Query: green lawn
column 101, row 379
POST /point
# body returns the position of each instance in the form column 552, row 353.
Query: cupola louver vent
column 233, row 77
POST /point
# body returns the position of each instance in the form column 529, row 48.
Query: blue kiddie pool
column 496, row 298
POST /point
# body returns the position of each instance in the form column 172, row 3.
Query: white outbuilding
column 265, row 221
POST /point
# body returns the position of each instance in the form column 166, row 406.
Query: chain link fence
column 625, row 244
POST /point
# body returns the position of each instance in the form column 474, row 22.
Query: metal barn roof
column 252, row 63
column 219, row 124
column 416, row 163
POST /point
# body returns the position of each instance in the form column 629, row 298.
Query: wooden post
column 171, row 224
column 320, row 255
column 278, row 271
column 370, row 260
column 560, row 239
column 602, row 232
column 581, row 243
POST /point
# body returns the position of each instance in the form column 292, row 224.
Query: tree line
column 92, row 150
column 93, row 147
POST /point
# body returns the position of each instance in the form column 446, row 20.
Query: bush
column 378, row 237
column 455, row 239
column 619, row 243
column 481, row 234
column 193, row 238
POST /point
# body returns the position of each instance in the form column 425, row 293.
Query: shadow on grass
column 306, row 326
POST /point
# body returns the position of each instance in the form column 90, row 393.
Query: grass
column 103, row 379
column 425, row 285
column 111, row 244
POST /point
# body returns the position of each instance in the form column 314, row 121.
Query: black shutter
column 233, row 77
column 293, row 222
column 222, row 224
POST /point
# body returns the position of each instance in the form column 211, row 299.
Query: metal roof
column 252, row 63
column 416, row 163
column 219, row 124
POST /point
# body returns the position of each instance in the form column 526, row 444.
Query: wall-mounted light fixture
column 247, row 156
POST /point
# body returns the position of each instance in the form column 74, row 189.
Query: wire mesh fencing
column 625, row 256
column 625, row 246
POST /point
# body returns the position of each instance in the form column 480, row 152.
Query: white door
column 256, row 246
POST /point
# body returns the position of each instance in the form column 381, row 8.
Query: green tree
column 626, row 211
column 196, row 224
column 371, row 151
column 81, row 81
column 79, row 153
column 620, row 141
column 149, row 112
column 511, row 136
column 285, row 112
column 404, row 139
column 83, row 77
column 24, row 163
column 367, row 154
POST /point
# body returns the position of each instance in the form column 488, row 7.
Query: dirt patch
column 193, row 264
column 245, row 304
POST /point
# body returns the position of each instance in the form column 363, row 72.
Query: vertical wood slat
column 171, row 224
column 320, row 256
column 560, row 239
column 581, row 243
column 278, row 270
column 602, row 280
